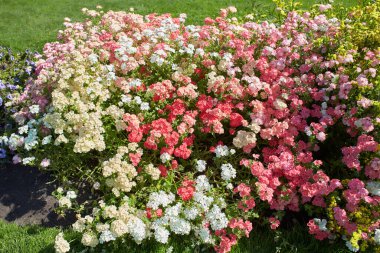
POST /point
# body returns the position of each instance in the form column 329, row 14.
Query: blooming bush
column 15, row 70
column 197, row 131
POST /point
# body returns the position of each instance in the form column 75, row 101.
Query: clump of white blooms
column 161, row 198
column 161, row 234
column 217, row 218
column 376, row 238
column 202, row 183
column 373, row 188
column 165, row 157
column 221, row 150
column 89, row 239
column 201, row 165
column 106, row 236
column 137, row 229
column 60, row 244
column 228, row 172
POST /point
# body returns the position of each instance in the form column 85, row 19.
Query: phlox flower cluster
column 16, row 70
column 204, row 131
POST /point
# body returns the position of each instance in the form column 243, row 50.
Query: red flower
column 164, row 171
column 236, row 119
column 186, row 191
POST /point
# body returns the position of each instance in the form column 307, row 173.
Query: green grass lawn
column 33, row 239
column 30, row 24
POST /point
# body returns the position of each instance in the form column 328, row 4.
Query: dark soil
column 26, row 197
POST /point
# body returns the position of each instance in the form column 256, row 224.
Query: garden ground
column 26, row 24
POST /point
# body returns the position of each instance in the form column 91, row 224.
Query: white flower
column 169, row 250
column 191, row 213
column 321, row 224
column 71, row 194
column 79, row 225
column 217, row 218
column 204, row 234
column 135, row 83
column 96, row 185
column 137, row 100
column 60, row 244
column 201, row 165
column 46, row 140
column 279, row 104
column 154, row 172
column 100, row 227
column 155, row 58
column 160, row 198
column 64, row 202
column 350, row 247
column 125, row 99
column 221, row 151
column 161, row 234
column 373, row 188
column 376, row 238
column 202, row 183
column 144, row 106
column 34, row 109
column 173, row 211
column 228, row 172
column 165, row 157
column 89, row 239
column 28, row 160
column 136, row 229
column 15, row 141
column 308, row 131
column 118, row 228
column 111, row 76
column 203, row 200
column 93, row 58
column 106, row 236
column 180, row 226
column 23, row 129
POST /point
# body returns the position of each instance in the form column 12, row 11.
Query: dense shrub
column 15, row 71
column 200, row 131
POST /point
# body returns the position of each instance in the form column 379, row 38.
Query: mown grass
column 30, row 24
column 33, row 239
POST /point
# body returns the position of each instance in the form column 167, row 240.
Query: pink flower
column 182, row 151
column 243, row 189
column 245, row 226
column 315, row 230
column 373, row 169
column 274, row 223
column 135, row 158
column 324, row 7
column 45, row 163
column 16, row 159
column 364, row 102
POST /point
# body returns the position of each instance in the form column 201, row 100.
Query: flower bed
column 15, row 71
column 203, row 131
